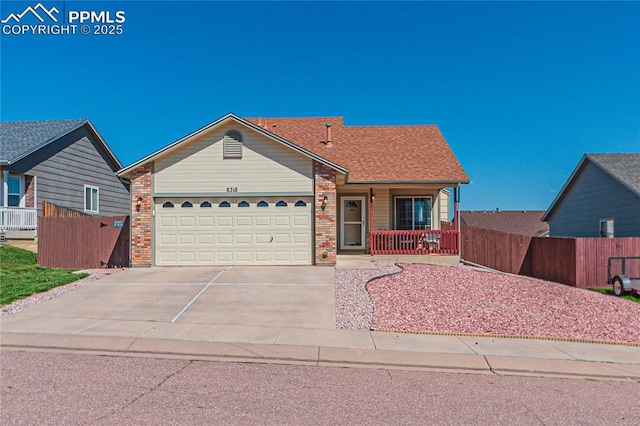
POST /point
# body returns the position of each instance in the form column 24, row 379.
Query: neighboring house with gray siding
column 600, row 199
column 65, row 162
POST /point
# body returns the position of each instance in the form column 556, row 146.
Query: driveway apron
column 229, row 296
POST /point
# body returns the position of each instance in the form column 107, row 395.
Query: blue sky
column 519, row 90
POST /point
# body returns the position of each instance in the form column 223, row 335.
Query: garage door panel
column 281, row 220
column 205, row 239
column 224, row 221
column 205, row 257
column 244, row 256
column 187, row 222
column 244, row 239
column 301, row 256
column 263, row 256
column 282, row 256
column 205, row 221
column 300, row 220
column 225, row 239
column 263, row 238
column 281, row 238
column 263, row 221
column 243, row 221
column 168, row 257
column 168, row 221
column 300, row 238
column 168, row 239
column 187, row 257
column 187, row 239
column 234, row 235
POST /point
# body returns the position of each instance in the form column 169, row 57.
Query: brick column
column 325, row 220
column 29, row 192
column 141, row 187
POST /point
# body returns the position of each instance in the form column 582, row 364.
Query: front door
column 352, row 220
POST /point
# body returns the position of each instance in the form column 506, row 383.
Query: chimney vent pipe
column 328, row 134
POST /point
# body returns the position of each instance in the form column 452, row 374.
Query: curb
column 325, row 356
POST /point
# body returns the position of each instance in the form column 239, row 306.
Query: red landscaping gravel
column 461, row 300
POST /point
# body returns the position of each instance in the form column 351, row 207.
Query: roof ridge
column 393, row 125
column 292, row 118
column 46, row 121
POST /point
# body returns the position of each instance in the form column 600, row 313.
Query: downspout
column 35, row 201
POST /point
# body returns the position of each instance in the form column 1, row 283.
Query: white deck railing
column 16, row 218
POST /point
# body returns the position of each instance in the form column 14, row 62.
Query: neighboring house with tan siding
column 65, row 162
column 601, row 198
column 292, row 191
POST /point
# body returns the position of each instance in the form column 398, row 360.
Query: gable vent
column 232, row 144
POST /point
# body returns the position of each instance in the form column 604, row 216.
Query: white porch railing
column 16, row 218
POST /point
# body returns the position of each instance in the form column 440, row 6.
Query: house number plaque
column 232, row 189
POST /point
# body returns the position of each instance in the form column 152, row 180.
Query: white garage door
column 233, row 231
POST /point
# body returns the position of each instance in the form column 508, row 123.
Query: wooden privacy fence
column 54, row 210
column 83, row 242
column 579, row 262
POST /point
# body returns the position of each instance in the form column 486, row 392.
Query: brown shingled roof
column 515, row 222
column 374, row 153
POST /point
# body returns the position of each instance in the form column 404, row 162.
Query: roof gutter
column 421, row 182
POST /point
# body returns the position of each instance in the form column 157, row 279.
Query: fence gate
column 83, row 242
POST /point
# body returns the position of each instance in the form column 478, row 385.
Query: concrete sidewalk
column 284, row 315
column 480, row 355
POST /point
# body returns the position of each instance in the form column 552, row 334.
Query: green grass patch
column 20, row 276
column 609, row 291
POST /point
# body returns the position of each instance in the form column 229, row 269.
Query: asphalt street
column 40, row 388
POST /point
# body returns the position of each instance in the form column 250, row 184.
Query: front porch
column 398, row 220
column 414, row 242
column 18, row 222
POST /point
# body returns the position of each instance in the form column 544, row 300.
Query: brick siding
column 325, row 220
column 141, row 187
column 29, row 185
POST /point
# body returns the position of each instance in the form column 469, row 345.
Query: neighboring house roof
column 520, row 222
column 366, row 153
column 22, row 138
column 624, row 168
column 374, row 153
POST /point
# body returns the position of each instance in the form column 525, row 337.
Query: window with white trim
column 14, row 183
column 606, row 228
column 412, row 213
column 232, row 144
column 91, row 203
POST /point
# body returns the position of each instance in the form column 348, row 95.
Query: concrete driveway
column 296, row 296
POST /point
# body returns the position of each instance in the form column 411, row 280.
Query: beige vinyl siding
column 443, row 207
column 266, row 166
column 383, row 205
column 381, row 211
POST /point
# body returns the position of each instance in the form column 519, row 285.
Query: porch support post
column 5, row 188
column 456, row 217
column 371, row 221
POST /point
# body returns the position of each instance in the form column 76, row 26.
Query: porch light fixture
column 325, row 201
column 139, row 203
column 373, row 197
